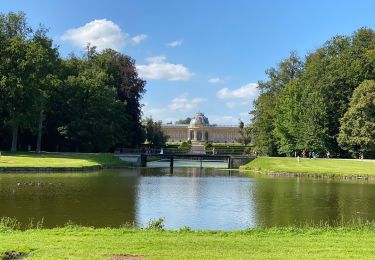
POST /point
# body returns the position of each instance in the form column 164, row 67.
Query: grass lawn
column 284, row 243
column 312, row 166
column 57, row 159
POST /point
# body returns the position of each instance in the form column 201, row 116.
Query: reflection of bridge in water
column 139, row 157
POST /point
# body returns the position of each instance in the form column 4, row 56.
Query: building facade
column 200, row 130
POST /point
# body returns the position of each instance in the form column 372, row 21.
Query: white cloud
column 184, row 103
column 235, row 104
column 223, row 120
column 245, row 92
column 138, row 38
column 100, row 33
column 158, row 68
column 175, row 44
column 216, row 80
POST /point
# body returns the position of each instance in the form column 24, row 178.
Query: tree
column 17, row 95
column 46, row 62
column 264, row 113
column 357, row 131
column 245, row 134
column 130, row 89
column 154, row 133
column 93, row 118
column 183, row 121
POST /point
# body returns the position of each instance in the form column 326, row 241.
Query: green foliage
column 264, row 113
column 184, row 147
column 156, row 224
column 89, row 103
column 301, row 106
column 357, row 132
column 245, row 134
column 154, row 133
column 183, row 121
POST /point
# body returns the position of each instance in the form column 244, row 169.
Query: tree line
column 89, row 103
column 323, row 103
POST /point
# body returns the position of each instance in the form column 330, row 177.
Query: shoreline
column 310, row 175
column 317, row 168
column 61, row 169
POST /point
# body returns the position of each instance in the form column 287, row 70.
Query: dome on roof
column 199, row 120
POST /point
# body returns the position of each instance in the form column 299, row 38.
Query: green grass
column 57, row 160
column 312, row 166
column 282, row 243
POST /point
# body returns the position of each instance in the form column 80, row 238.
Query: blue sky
column 198, row 55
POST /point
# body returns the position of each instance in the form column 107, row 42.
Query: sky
column 197, row 55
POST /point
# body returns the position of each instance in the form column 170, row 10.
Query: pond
column 198, row 198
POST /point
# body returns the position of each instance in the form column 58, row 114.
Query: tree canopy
column 357, row 131
column 302, row 104
column 88, row 103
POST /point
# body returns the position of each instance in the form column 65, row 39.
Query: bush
column 156, row 224
column 184, row 146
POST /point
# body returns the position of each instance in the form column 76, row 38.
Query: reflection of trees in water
column 283, row 201
column 105, row 199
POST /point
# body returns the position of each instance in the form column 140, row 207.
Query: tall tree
column 18, row 92
column 357, row 131
column 45, row 60
column 154, row 133
column 263, row 121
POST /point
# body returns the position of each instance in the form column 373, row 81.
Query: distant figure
column 298, row 158
column 161, row 151
column 29, row 148
column 328, row 155
column 213, row 151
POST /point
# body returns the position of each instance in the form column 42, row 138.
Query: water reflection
column 194, row 197
column 92, row 199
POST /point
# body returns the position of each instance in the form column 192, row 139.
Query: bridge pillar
column 143, row 160
column 229, row 162
column 171, row 162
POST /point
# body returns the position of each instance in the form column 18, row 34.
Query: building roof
column 199, row 120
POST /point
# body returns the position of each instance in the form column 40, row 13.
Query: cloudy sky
column 197, row 55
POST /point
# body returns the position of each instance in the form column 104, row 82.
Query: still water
column 194, row 197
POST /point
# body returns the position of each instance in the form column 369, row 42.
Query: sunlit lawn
column 274, row 243
column 57, row 159
column 306, row 165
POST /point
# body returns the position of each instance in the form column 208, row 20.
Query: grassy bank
column 57, row 160
column 285, row 243
column 312, row 166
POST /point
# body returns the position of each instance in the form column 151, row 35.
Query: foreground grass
column 57, row 160
column 285, row 243
column 312, row 166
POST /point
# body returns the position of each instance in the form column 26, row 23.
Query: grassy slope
column 89, row 243
column 313, row 166
column 57, row 159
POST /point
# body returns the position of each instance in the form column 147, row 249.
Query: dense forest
column 322, row 104
column 89, row 103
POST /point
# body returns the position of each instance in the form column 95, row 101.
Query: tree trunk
column 40, row 128
column 14, row 138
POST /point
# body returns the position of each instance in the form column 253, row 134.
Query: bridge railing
column 167, row 151
column 151, row 151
